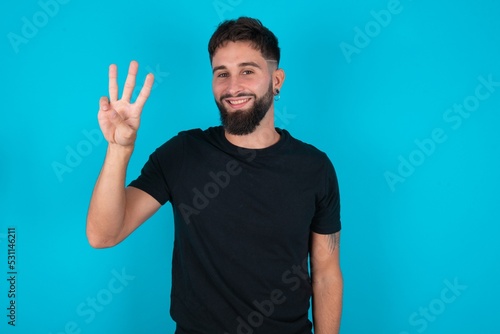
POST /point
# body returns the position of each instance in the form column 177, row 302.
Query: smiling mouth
column 237, row 102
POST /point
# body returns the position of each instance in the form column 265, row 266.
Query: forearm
column 108, row 203
column 327, row 305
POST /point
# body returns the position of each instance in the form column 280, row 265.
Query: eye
column 222, row 75
column 246, row 72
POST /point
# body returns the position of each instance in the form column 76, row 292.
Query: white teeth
column 238, row 101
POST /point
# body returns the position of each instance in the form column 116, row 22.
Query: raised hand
column 119, row 119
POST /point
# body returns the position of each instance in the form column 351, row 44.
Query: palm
column 119, row 119
column 123, row 132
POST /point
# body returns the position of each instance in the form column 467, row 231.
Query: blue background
column 405, row 240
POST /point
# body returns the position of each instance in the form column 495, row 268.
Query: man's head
column 244, row 56
column 248, row 30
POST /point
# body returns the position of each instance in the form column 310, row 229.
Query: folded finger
column 104, row 103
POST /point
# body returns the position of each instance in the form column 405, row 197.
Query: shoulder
column 308, row 157
column 305, row 150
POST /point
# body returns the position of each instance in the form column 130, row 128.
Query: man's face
column 242, row 86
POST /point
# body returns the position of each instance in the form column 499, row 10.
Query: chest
column 259, row 198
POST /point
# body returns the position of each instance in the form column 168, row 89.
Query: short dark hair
column 245, row 29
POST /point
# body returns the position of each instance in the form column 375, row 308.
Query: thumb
column 114, row 117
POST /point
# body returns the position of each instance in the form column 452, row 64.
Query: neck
column 263, row 136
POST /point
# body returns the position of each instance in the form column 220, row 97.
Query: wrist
column 120, row 152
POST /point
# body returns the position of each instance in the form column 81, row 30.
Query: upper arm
column 325, row 256
column 138, row 208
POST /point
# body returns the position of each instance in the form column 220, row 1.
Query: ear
column 278, row 78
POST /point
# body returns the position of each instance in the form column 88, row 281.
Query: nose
column 234, row 86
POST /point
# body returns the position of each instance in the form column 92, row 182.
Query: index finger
column 113, row 85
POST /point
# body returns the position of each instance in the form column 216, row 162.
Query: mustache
column 227, row 96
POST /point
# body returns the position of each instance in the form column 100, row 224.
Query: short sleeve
column 327, row 216
column 162, row 169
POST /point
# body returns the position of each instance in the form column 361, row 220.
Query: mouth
column 238, row 102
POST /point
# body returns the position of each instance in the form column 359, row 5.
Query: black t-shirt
column 242, row 225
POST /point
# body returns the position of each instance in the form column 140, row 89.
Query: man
column 250, row 202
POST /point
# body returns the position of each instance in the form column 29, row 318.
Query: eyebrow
column 244, row 64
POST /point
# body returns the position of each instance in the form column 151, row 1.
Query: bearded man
column 256, row 211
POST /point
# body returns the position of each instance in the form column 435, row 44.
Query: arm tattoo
column 333, row 241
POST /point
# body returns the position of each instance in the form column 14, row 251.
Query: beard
column 245, row 121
